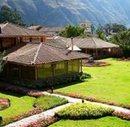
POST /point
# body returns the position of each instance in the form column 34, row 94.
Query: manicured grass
column 47, row 102
column 109, row 83
column 102, row 122
column 19, row 104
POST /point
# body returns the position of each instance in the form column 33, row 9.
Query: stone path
column 51, row 112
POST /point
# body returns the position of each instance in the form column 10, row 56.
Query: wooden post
column 67, row 67
column 96, row 52
column 36, row 72
column 20, row 71
column 81, row 65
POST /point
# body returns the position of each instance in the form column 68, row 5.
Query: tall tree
column 116, row 28
column 73, row 31
column 2, row 63
column 108, row 28
column 123, row 40
column 100, row 33
column 12, row 16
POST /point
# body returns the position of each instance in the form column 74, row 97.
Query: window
column 61, row 68
column 14, row 70
column 73, row 66
column 45, row 71
column 28, row 72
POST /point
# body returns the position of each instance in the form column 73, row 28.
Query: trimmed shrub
column 47, row 102
column 85, row 76
column 4, row 103
column 84, row 111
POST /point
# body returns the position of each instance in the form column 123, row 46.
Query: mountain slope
column 63, row 12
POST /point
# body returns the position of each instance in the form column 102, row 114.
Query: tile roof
column 52, row 29
column 58, row 42
column 92, row 43
column 12, row 30
column 40, row 53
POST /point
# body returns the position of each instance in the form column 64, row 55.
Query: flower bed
column 4, row 103
column 21, row 90
column 123, row 59
column 93, row 99
column 95, row 64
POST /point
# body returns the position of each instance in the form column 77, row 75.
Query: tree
column 2, row 63
column 108, row 28
column 101, row 34
column 116, row 28
column 123, row 40
column 72, row 31
column 6, row 14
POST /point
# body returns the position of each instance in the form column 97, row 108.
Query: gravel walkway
column 51, row 112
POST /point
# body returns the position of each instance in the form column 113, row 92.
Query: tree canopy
column 2, row 63
column 123, row 40
column 73, row 31
column 101, row 34
column 114, row 28
column 12, row 16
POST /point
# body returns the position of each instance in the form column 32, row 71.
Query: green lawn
column 102, row 122
column 19, row 104
column 110, row 83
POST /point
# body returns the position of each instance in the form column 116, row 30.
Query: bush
column 85, row 76
column 4, row 103
column 47, row 102
column 83, row 111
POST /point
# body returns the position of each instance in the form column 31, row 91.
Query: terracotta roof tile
column 92, row 43
column 9, row 30
column 40, row 53
column 52, row 29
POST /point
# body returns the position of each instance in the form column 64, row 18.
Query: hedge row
column 84, row 111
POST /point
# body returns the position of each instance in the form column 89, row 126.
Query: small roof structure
column 40, row 53
column 37, row 27
column 74, row 48
column 62, row 42
column 12, row 30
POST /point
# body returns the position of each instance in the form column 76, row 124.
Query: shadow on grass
column 68, row 84
column 11, row 93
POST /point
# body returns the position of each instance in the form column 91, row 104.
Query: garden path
column 51, row 112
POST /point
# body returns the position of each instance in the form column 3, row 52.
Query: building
column 31, row 57
column 97, row 48
column 87, row 25
column 52, row 31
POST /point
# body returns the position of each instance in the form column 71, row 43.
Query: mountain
column 64, row 12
